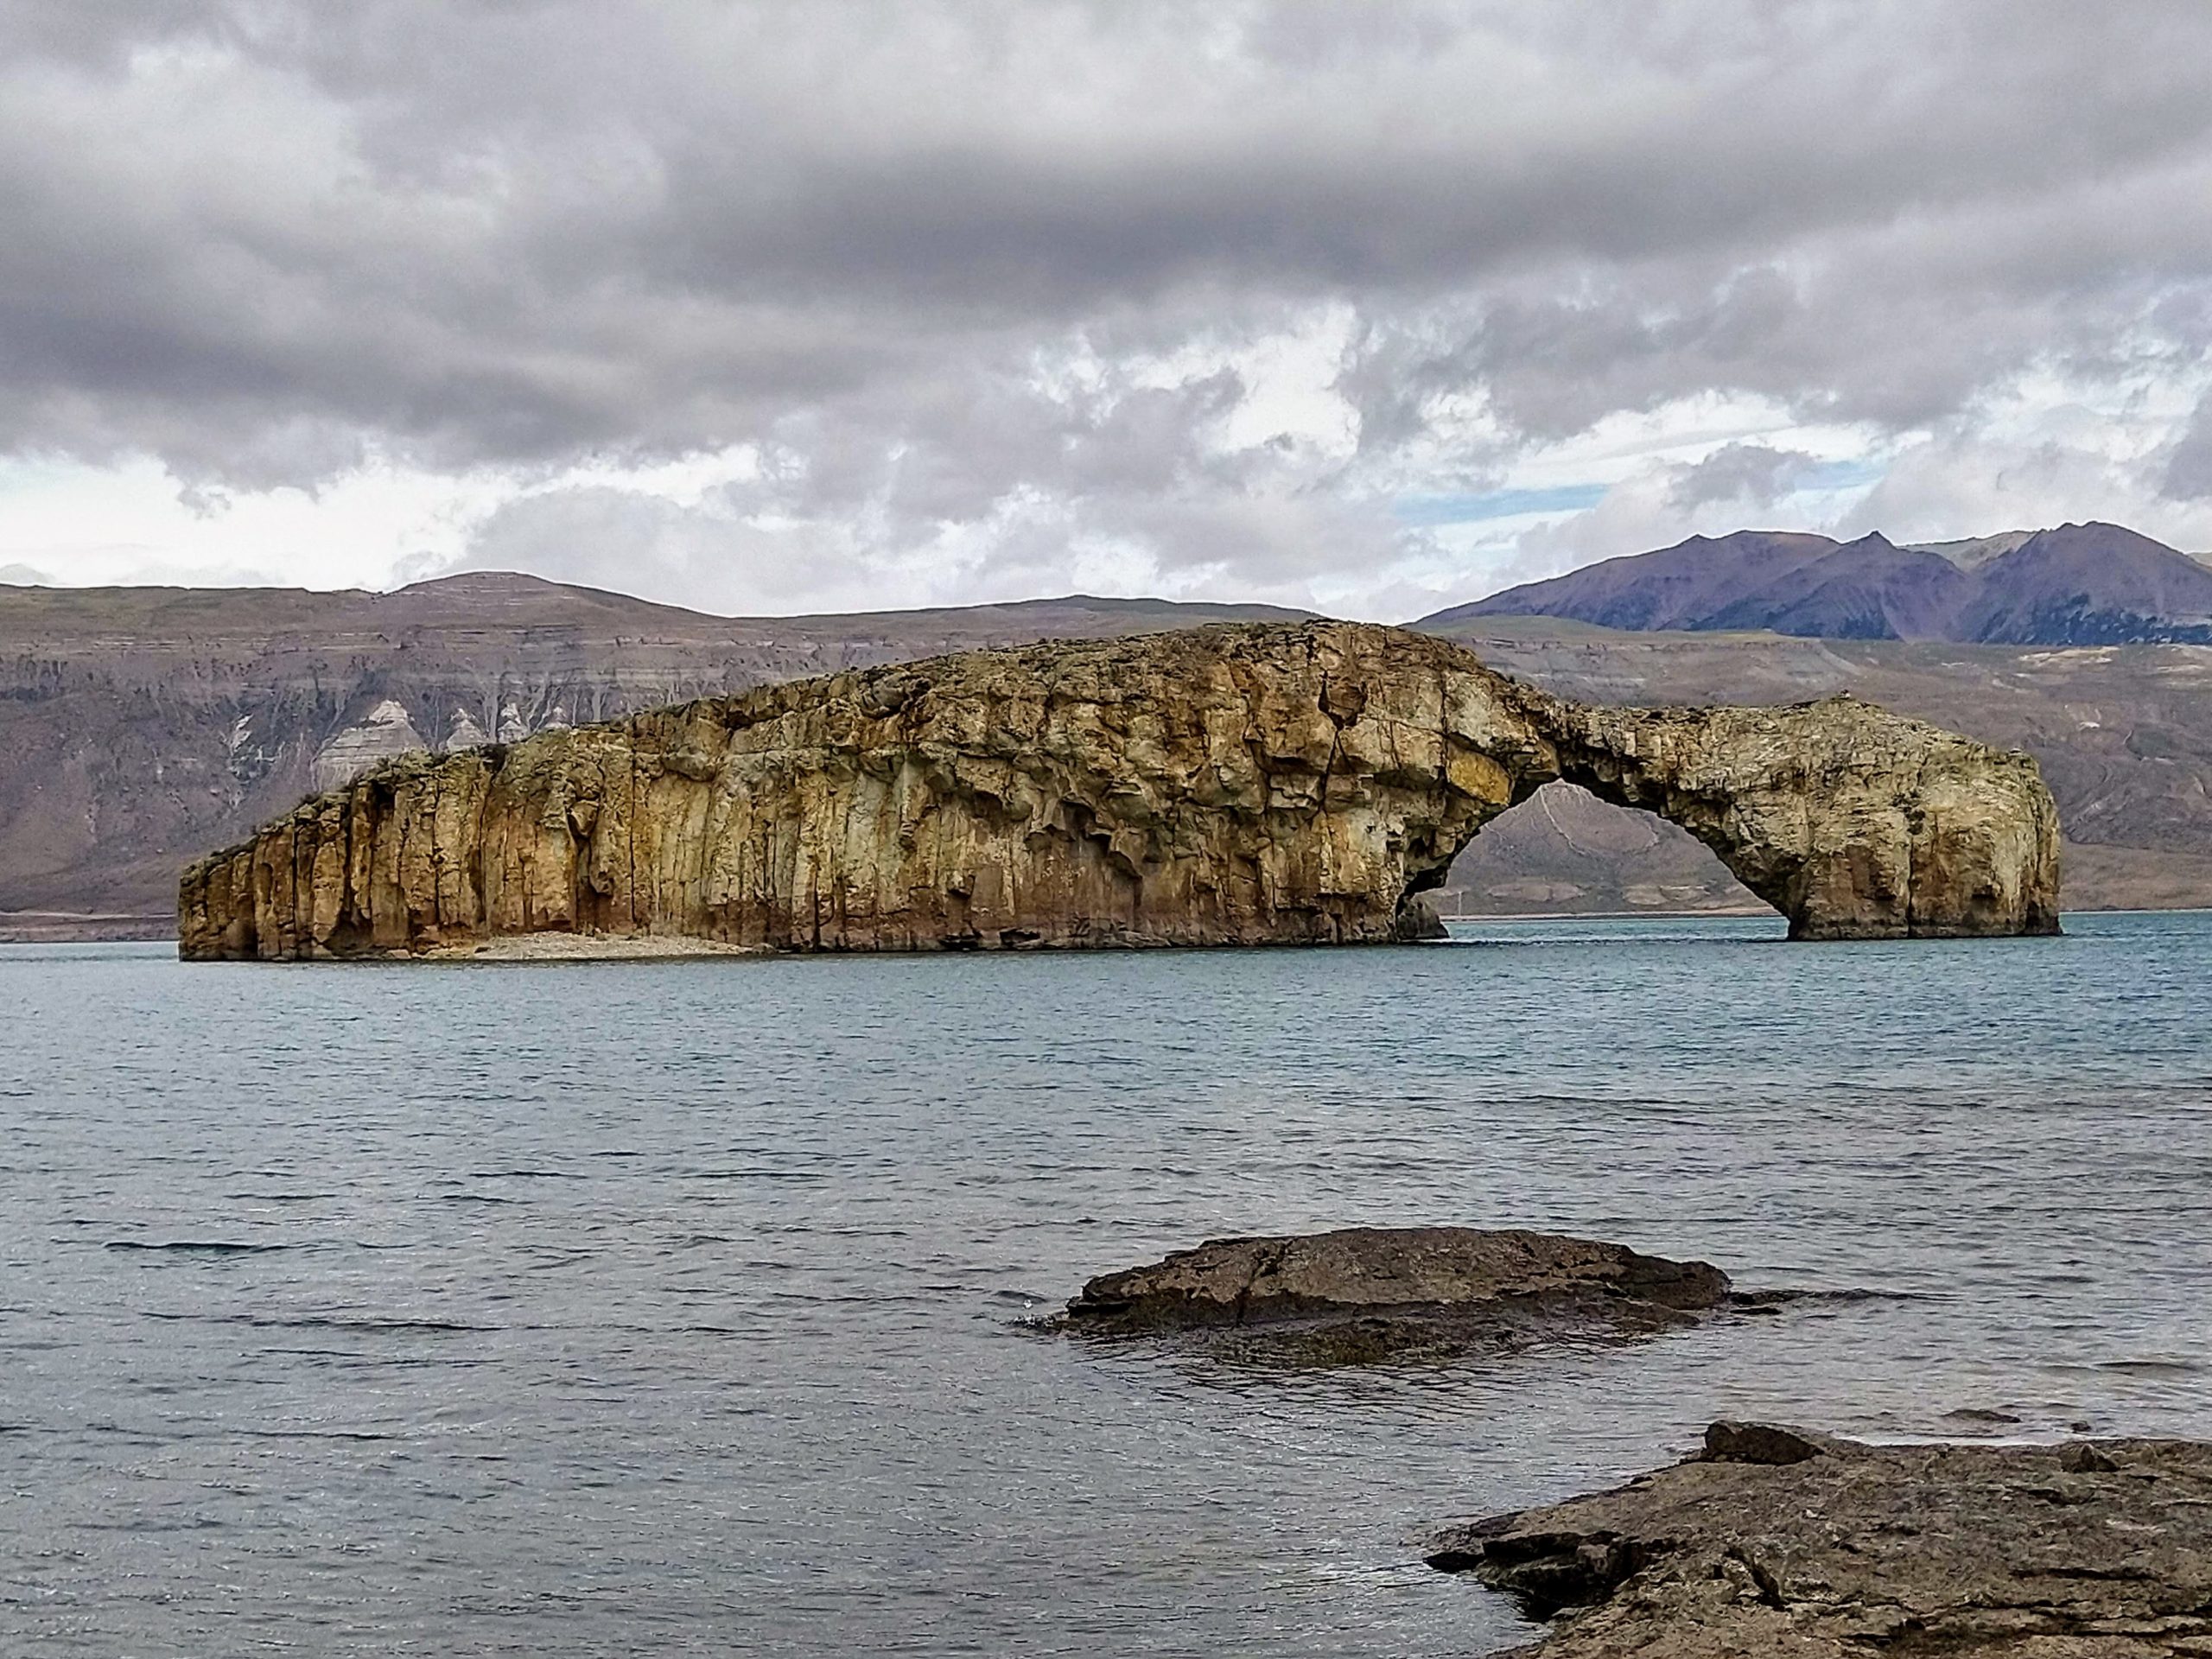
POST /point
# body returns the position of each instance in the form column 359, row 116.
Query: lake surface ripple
column 676, row 1306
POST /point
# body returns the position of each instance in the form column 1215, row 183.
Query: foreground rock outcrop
column 1239, row 785
column 1363, row 1294
column 1775, row 1543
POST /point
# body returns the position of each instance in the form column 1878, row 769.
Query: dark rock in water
column 1773, row 1541
column 1418, row 920
column 1727, row 1442
column 1371, row 1293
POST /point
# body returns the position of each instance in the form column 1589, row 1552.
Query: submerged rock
column 1775, row 1542
column 1242, row 785
column 1365, row 1294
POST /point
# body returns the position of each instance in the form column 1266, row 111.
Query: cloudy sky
column 1374, row 306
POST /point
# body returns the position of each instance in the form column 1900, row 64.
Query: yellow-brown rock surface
column 1242, row 785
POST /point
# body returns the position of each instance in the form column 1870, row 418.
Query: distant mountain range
column 2090, row 584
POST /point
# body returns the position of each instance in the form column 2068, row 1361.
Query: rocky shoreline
column 1777, row 1541
column 591, row 947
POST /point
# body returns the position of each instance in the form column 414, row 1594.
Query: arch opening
column 1563, row 851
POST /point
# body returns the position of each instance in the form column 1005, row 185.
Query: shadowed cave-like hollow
column 1241, row 784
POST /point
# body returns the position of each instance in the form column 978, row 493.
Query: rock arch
column 1229, row 785
column 1853, row 822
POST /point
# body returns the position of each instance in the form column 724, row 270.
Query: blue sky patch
column 1496, row 504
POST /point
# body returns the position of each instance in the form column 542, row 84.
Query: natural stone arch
column 1853, row 822
column 1228, row 785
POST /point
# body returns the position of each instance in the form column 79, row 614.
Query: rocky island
column 1366, row 1294
column 1773, row 1541
column 1236, row 785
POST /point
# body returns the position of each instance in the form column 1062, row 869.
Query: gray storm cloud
column 2188, row 468
column 1740, row 472
column 972, row 275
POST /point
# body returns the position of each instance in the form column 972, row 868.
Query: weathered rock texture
column 1372, row 1293
column 1778, row 1543
column 1229, row 786
column 385, row 735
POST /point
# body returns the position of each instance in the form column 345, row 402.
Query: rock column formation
column 1242, row 785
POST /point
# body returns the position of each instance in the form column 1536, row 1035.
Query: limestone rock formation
column 141, row 727
column 1778, row 1542
column 1240, row 784
column 384, row 735
column 1370, row 1293
column 463, row 732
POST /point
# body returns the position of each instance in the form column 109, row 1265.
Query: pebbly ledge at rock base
column 1241, row 784
column 1360, row 1294
column 1777, row 1542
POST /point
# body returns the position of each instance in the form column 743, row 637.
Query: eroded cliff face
column 1241, row 784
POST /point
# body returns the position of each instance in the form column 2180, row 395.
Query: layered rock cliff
column 1237, row 784
column 141, row 727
